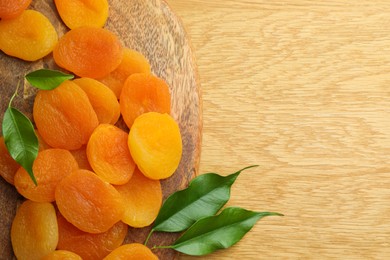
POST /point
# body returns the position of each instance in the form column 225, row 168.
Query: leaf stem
column 147, row 238
column 14, row 95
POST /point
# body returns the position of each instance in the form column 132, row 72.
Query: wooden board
column 151, row 28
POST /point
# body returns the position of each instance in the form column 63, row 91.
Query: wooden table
column 301, row 88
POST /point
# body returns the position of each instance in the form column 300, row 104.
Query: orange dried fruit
column 109, row 155
column 77, row 13
column 30, row 36
column 88, row 52
column 50, row 167
column 62, row 255
column 132, row 62
column 34, row 231
column 102, row 99
column 8, row 166
column 134, row 251
column 143, row 198
column 12, row 8
column 88, row 202
column 155, row 145
column 144, row 93
column 89, row 246
column 64, row 116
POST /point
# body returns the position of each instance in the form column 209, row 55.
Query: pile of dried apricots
column 94, row 178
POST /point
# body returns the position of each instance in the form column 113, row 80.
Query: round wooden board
column 150, row 27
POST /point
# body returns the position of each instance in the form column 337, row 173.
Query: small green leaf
column 20, row 138
column 217, row 232
column 47, row 79
column 205, row 196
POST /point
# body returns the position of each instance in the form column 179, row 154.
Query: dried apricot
column 132, row 62
column 132, row 251
column 102, row 99
column 143, row 93
column 89, row 246
column 30, row 36
column 8, row 166
column 155, row 145
column 77, row 13
column 143, row 198
column 12, row 8
column 50, row 167
column 34, row 231
column 109, row 155
column 64, row 116
column 62, row 255
column 81, row 157
column 88, row 52
column 88, row 202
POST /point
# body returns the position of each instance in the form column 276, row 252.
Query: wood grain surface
column 301, row 88
column 151, row 28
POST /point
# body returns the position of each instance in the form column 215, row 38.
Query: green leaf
column 47, row 79
column 20, row 138
column 205, row 196
column 217, row 232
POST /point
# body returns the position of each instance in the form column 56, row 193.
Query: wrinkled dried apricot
column 77, row 13
column 155, row 145
column 64, row 116
column 143, row 198
column 132, row 62
column 8, row 166
column 34, row 231
column 12, row 8
column 50, row 167
column 133, row 251
column 102, row 99
column 88, row 202
column 62, row 255
column 109, row 155
column 89, row 246
column 30, row 36
column 143, row 93
column 81, row 157
column 88, row 52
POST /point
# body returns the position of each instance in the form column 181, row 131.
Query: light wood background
column 301, row 88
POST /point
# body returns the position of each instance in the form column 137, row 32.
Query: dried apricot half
column 143, row 198
column 109, row 155
column 64, row 116
column 88, row 52
column 132, row 62
column 77, row 13
column 34, row 230
column 89, row 246
column 12, row 8
column 134, row 251
column 30, row 36
column 50, row 167
column 143, row 93
column 155, row 145
column 102, row 99
column 88, row 202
